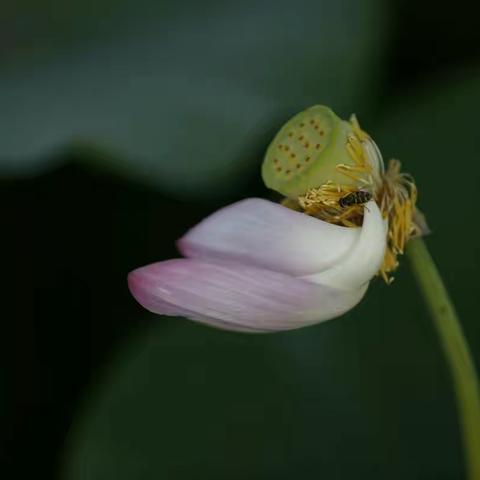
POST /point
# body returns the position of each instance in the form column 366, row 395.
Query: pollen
column 397, row 200
column 395, row 193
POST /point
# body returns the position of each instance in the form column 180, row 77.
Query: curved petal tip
column 364, row 260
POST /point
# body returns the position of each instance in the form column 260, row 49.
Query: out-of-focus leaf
column 190, row 402
column 186, row 99
column 351, row 397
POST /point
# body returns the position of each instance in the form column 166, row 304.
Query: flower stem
column 455, row 348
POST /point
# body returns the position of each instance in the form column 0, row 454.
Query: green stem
column 456, row 350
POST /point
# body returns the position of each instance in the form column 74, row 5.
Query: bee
column 355, row 198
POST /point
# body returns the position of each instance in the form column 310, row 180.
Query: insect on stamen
column 355, row 198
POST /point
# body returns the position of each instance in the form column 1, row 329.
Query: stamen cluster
column 395, row 193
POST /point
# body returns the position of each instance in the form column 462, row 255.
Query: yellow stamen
column 395, row 193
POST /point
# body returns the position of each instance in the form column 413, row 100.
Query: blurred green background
column 124, row 123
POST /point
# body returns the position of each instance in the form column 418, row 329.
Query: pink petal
column 265, row 234
column 237, row 297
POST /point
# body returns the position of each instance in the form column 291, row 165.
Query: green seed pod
column 305, row 152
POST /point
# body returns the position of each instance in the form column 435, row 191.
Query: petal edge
column 237, row 297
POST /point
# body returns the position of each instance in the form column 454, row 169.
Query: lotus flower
column 258, row 266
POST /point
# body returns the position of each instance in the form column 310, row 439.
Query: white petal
column 365, row 258
column 236, row 296
column 265, row 234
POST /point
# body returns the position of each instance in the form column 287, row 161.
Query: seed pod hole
column 302, row 149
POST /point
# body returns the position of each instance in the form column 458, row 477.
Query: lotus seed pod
column 305, row 152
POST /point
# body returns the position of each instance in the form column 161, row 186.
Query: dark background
column 124, row 123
